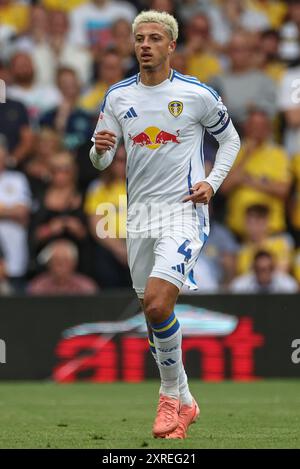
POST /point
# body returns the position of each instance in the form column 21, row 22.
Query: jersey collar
column 170, row 76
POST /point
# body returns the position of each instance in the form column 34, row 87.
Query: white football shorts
column 169, row 257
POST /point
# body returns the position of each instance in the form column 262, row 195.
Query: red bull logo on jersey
column 153, row 137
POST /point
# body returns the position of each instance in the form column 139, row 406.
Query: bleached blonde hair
column 160, row 17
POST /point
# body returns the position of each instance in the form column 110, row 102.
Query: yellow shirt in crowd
column 274, row 10
column 296, row 269
column 267, row 162
column 92, row 99
column 64, row 5
column 115, row 194
column 278, row 245
column 204, row 66
column 296, row 175
column 275, row 71
column 15, row 15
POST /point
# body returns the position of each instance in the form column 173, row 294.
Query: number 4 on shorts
column 184, row 251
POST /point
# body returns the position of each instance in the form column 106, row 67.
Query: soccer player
column 162, row 116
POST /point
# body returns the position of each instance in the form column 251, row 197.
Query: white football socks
column 165, row 345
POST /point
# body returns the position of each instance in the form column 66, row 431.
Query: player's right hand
column 104, row 140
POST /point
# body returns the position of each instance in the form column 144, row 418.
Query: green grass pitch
column 261, row 414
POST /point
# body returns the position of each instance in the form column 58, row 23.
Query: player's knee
column 155, row 311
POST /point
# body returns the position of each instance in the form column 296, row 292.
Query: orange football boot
column 187, row 416
column 166, row 420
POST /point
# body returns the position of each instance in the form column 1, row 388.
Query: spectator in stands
column 38, row 168
column 260, row 175
column 14, row 14
column 220, row 250
column 290, row 33
column 47, row 41
column 110, row 71
column 61, row 278
column 234, row 15
column 5, row 287
column 243, row 87
column 257, row 238
column 268, row 55
column 15, row 203
column 187, row 9
column 62, row 53
column 296, row 266
column 294, row 208
column 123, row 44
column 60, row 213
column 7, row 37
column 14, row 126
column 163, row 5
column 264, row 278
column 275, row 11
column 62, row 5
column 36, row 98
column 91, row 22
column 36, row 33
column 289, row 104
column 110, row 250
column 72, row 123
column 202, row 62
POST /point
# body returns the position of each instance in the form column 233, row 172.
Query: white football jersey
column 163, row 128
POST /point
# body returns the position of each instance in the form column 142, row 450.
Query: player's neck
column 154, row 77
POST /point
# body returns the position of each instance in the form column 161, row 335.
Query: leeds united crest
column 175, row 108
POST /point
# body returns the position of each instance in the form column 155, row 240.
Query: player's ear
column 172, row 46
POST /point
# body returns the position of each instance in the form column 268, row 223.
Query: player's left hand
column 202, row 192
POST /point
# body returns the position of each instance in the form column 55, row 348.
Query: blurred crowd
column 58, row 58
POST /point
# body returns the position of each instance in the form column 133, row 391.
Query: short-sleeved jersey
column 163, row 128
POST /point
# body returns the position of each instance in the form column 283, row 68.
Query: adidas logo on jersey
column 179, row 267
column 131, row 113
column 168, row 362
